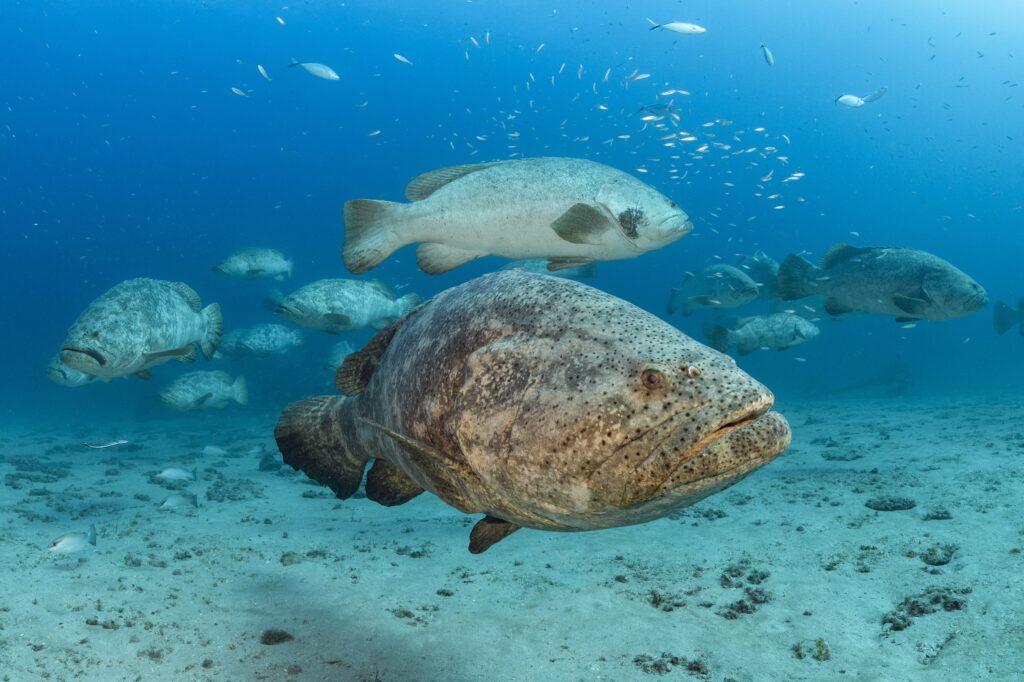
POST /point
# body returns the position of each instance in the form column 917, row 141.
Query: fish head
column 803, row 330
column 953, row 293
column 617, row 419
column 734, row 287
column 645, row 217
column 61, row 374
column 97, row 346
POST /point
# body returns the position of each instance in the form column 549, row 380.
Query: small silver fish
column 179, row 500
column 175, row 474
column 214, row 451
column 318, row 70
column 768, row 56
column 72, row 543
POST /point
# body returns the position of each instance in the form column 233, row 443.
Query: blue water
column 126, row 154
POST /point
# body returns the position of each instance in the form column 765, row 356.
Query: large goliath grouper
column 539, row 402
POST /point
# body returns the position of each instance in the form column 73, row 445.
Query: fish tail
column 1004, row 317
column 291, row 268
column 796, row 278
column 408, row 302
column 654, row 24
column 718, row 337
column 677, row 302
column 369, row 233
column 314, row 437
column 240, row 391
column 213, row 324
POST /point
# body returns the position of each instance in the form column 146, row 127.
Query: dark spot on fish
column 631, row 219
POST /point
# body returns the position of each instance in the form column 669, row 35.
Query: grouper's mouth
column 95, row 355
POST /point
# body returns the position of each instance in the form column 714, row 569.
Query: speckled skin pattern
column 186, row 389
column 252, row 263
column 266, row 339
column 867, row 282
column 135, row 317
column 366, row 304
column 764, row 270
column 508, row 208
column 536, row 394
column 778, row 331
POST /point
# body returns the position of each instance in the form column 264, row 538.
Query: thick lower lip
column 85, row 351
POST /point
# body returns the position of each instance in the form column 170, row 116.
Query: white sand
column 165, row 590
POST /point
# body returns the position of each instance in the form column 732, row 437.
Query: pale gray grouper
column 338, row 305
column 569, row 211
column 205, row 390
column 905, row 283
column 539, row 402
column 138, row 324
column 257, row 262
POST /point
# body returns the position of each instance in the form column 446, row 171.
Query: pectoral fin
column 555, row 264
column 488, row 531
column 386, row 484
column 582, row 224
column 198, row 402
column 339, row 319
column 450, row 475
column 144, row 374
column 184, row 354
column 835, row 308
column 435, row 259
column 911, row 305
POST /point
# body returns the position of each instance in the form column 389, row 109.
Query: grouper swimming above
column 569, row 211
column 539, row 402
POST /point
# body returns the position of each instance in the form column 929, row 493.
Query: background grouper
column 540, row 402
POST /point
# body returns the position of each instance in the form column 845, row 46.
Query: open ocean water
column 154, row 138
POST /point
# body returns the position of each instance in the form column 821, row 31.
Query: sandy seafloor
column 371, row 593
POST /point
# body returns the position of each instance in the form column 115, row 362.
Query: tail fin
column 291, row 267
column 654, row 24
column 369, row 233
column 92, row 534
column 214, row 325
column 718, row 337
column 408, row 302
column 677, row 302
column 796, row 278
column 240, row 391
column 274, row 298
column 1004, row 317
column 314, row 437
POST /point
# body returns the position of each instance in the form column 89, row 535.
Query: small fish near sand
column 59, row 373
column 338, row 305
column 139, row 324
column 180, row 501
column 254, row 263
column 568, row 211
column 853, row 101
column 713, row 286
column 205, row 390
column 1005, row 318
column 905, row 283
column 316, row 69
column 681, row 27
column 175, row 474
column 474, row 397
column 747, row 334
column 73, row 543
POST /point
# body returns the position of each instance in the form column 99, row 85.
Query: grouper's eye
column 653, row 378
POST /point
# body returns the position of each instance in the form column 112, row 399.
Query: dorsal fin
column 382, row 288
column 189, row 294
column 422, row 186
column 839, row 253
column 354, row 373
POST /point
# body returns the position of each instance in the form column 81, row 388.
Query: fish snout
column 81, row 358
